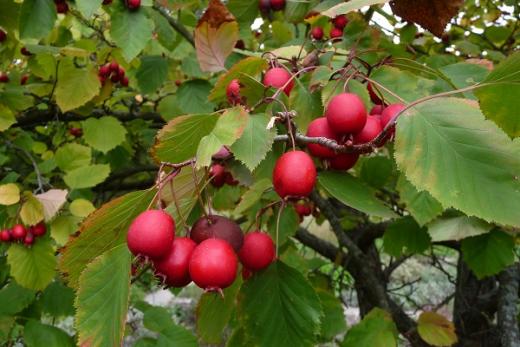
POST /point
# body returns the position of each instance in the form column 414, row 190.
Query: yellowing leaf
column 81, row 208
column 52, row 200
column 32, row 211
column 9, row 194
column 436, row 329
column 215, row 37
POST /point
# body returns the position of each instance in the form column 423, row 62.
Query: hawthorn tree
column 303, row 153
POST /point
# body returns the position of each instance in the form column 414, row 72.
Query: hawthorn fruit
column 335, row 33
column 151, row 234
column 18, row 232
column 218, row 227
column 278, row 77
column 317, row 33
column 257, row 252
column 294, row 175
column 174, row 267
column 370, row 131
column 319, row 127
column 346, row 114
column 340, row 22
column 344, row 161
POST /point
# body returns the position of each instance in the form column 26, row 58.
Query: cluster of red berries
column 267, row 6
column 220, row 176
column 61, row 6
column 19, row 233
column 303, row 209
column 4, row 78
column 338, row 25
column 207, row 257
column 3, row 35
column 113, row 71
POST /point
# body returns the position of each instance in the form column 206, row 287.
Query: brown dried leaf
column 433, row 15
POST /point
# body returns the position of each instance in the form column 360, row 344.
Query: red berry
column 240, row 44
column 277, row 5
column 344, row 161
column 370, row 131
column 29, row 239
column 3, row 35
column 125, row 81
column 317, row 33
column 340, row 21
column 5, row 235
column 107, row 2
column 230, row 180
column 374, row 96
column 151, row 234
column 18, row 232
column 264, row 6
column 346, row 114
column 133, row 4
column 23, row 79
column 102, row 79
column 390, row 112
column 213, row 265
column 335, row 33
column 320, row 128
column 175, row 265
column 62, row 7
column 25, row 51
column 115, row 78
column 39, row 229
column 217, row 227
column 233, row 92
column 76, row 132
column 4, row 78
column 217, row 173
column 277, row 77
column 377, row 110
column 294, row 174
column 223, row 153
column 303, row 209
column 257, row 252
column 104, row 70
column 114, row 67
column 121, row 72
column 178, row 83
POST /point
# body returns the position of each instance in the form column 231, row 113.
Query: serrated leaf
column 333, row 322
column 192, row 97
column 488, row 254
column 37, row 18
column 457, row 228
column 88, row 7
column 404, row 237
column 253, row 195
column 407, row 85
column 14, row 298
column 306, row 104
column 36, row 333
column 62, row 227
column 256, row 140
column 34, row 267
column 102, row 299
column 81, row 208
column 72, row 156
column 354, row 193
column 31, row 212
column 436, row 329
column 52, row 201
column 104, row 133
column 87, row 176
column 58, row 300
column 152, row 73
column 289, row 221
column 6, row 118
column 375, row 330
column 215, row 37
column 352, row 5
column 283, row 303
column 445, row 146
column 131, row 31
column 9, row 194
column 76, row 85
column 103, row 230
column 244, row 11
column 178, row 140
column 421, row 205
column 228, row 129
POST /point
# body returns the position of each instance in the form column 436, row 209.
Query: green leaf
column 6, row 118
column 71, row 156
column 228, row 129
column 488, row 254
column 131, row 31
column 282, row 302
column 9, row 194
column 62, row 227
column 436, row 329
column 352, row 5
column 244, row 11
column 404, row 237
column 375, row 330
column 102, row 299
column 377, row 171
column 88, row 7
column 58, row 300
column 457, row 228
column 499, row 98
column 464, row 74
column 87, row 176
column 158, row 319
column 289, row 221
column 253, row 195
column 37, row 18
column 36, row 334
column 354, row 193
column 408, row 86
column 445, row 146
column 256, row 140
column 333, row 322
column 103, row 230
column 152, row 73
column 81, row 208
column 166, row 35
column 214, row 313
column 31, row 212
column 178, row 140
column 104, row 133
column 15, row 298
column 76, row 85
column 421, row 205
column 192, row 97
column 33, row 267
column 307, row 105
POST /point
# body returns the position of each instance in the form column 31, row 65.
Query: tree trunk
column 509, row 280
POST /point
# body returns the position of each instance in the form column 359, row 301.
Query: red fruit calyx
column 320, row 128
column 233, row 92
column 294, row 174
column 151, row 234
column 175, row 266
column 218, row 227
column 344, row 161
column 278, row 77
column 346, row 114
column 335, row 33
column 340, row 21
column 18, row 232
column 39, row 229
column 213, row 265
column 257, row 252
column 317, row 33
column 370, row 131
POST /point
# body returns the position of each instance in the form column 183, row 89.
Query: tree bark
column 509, row 281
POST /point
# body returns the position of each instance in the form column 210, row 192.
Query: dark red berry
column 5, row 235
column 4, row 78
column 277, row 5
column 388, row 115
column 151, row 234
column 217, row 174
column 240, row 44
column 23, row 79
column 223, row 153
column 62, row 7
column 257, row 252
column 104, row 70
column 107, row 2
column 346, row 114
column 175, row 265
column 3, row 35
column 320, row 128
column 218, row 227
column 335, row 33
column 133, row 4
column 317, row 33
column 121, row 72
column 344, row 161
column 115, row 78
column 294, row 174
column 178, row 83
column 264, row 6
column 374, row 96
column 76, row 132
column 233, row 92
column 230, row 180
column 340, row 21
column 278, row 77
column 370, row 131
column 125, row 81
column 114, row 67
column 39, row 229
column 18, row 232
column 25, row 51
column 303, row 209
column 28, row 239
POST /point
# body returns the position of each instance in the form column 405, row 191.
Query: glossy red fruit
column 335, row 33
column 18, row 232
column 344, row 161
column 303, row 209
column 39, row 229
column 114, row 67
column 125, row 81
column 24, row 79
column 377, row 110
column 121, row 72
column 277, row 77
column 104, row 70
column 4, row 78
column 217, row 227
column 370, row 131
column 257, row 252
column 340, row 21
column 25, row 51
column 390, row 112
column 5, row 235
column 320, row 128
column 3, row 35
column 223, row 153
column 346, row 114
column 62, row 7
column 277, row 5
column 213, row 265
column 115, row 78
column 233, row 92
column 76, row 132
column 317, row 33
column 151, row 234
column 175, row 266
column 374, row 96
column 294, row 174
column 28, row 239
column 217, row 173
column 133, row 4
